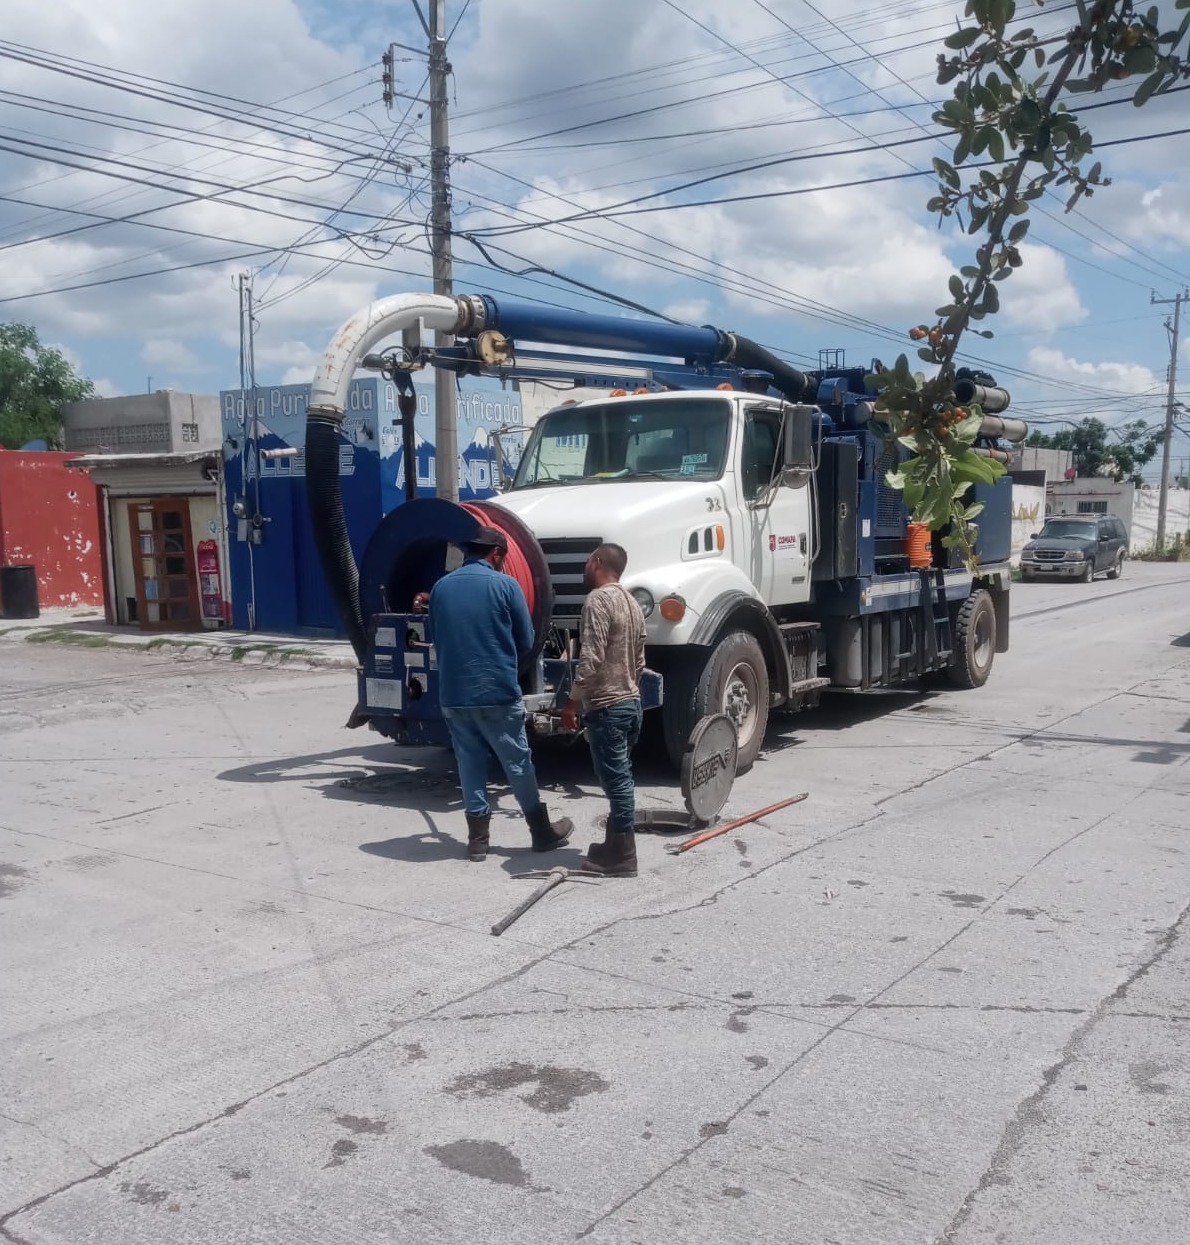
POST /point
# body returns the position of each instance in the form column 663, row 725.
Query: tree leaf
column 1140, row 60
column 1146, row 88
column 975, row 468
column 968, row 429
column 946, row 173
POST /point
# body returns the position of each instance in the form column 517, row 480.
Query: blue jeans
column 612, row 733
column 479, row 730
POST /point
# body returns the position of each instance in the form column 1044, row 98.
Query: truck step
column 794, row 627
column 805, row 686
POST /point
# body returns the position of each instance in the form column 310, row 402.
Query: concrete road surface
column 248, row 992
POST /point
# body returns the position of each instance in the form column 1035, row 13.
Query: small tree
column 36, row 381
column 1094, row 455
column 1018, row 139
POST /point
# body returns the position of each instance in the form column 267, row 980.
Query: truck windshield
column 673, row 439
column 1080, row 531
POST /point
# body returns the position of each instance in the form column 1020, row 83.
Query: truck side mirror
column 798, row 448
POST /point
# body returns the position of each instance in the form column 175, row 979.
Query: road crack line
column 1028, row 1111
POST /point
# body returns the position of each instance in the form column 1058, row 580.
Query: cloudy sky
column 153, row 151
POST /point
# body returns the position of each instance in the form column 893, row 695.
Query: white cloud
column 1041, row 295
column 692, row 311
column 293, row 361
column 1131, row 378
column 1165, row 216
column 171, row 355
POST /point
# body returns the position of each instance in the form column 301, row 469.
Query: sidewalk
column 85, row 628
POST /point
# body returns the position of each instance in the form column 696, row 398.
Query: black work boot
column 615, row 857
column 597, row 853
column 548, row 834
column 477, row 835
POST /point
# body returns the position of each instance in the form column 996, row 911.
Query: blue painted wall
column 281, row 576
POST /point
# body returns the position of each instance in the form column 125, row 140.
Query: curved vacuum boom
column 324, row 421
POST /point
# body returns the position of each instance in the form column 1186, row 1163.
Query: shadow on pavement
column 839, row 711
column 423, row 782
column 510, row 847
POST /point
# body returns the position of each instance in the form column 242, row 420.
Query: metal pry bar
column 555, row 877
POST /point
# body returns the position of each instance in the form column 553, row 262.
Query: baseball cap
column 489, row 538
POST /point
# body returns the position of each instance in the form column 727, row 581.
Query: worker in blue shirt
column 481, row 629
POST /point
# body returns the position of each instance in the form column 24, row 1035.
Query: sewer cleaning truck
column 766, row 550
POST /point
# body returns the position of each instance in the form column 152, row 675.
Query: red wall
column 49, row 516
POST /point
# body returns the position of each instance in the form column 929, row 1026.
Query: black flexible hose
column 786, row 378
column 325, row 494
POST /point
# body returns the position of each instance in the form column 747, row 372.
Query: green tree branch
column 1024, row 126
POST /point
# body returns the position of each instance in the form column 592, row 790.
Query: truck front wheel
column 736, row 682
column 733, row 680
column 974, row 641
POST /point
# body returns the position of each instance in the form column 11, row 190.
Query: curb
column 248, row 654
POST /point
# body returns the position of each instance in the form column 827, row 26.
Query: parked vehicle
column 1077, row 546
column 765, row 547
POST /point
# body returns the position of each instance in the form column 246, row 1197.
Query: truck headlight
column 1076, row 555
column 643, row 598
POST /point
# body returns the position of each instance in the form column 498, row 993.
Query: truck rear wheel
column 974, row 641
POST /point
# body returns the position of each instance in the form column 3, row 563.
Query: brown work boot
column 477, row 835
column 615, row 857
column 597, row 852
column 547, row 834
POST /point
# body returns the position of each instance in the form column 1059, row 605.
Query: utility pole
column 1167, row 440
column 446, row 443
column 446, row 439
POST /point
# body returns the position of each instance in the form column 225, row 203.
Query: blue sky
column 199, row 142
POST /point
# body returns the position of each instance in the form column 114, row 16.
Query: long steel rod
column 687, row 844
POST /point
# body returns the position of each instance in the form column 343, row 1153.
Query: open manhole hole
column 708, row 771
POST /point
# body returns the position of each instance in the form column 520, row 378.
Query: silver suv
column 1076, row 546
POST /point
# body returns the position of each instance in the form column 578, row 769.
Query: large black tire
column 733, row 680
column 974, row 641
column 1089, row 571
column 1117, row 567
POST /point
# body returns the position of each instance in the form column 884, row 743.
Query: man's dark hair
column 614, row 557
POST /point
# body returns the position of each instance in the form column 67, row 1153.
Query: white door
column 776, row 517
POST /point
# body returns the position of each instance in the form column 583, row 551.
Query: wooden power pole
column 1167, row 439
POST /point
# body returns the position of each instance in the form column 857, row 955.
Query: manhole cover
column 708, row 766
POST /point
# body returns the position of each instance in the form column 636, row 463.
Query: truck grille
column 567, row 556
column 1050, row 555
